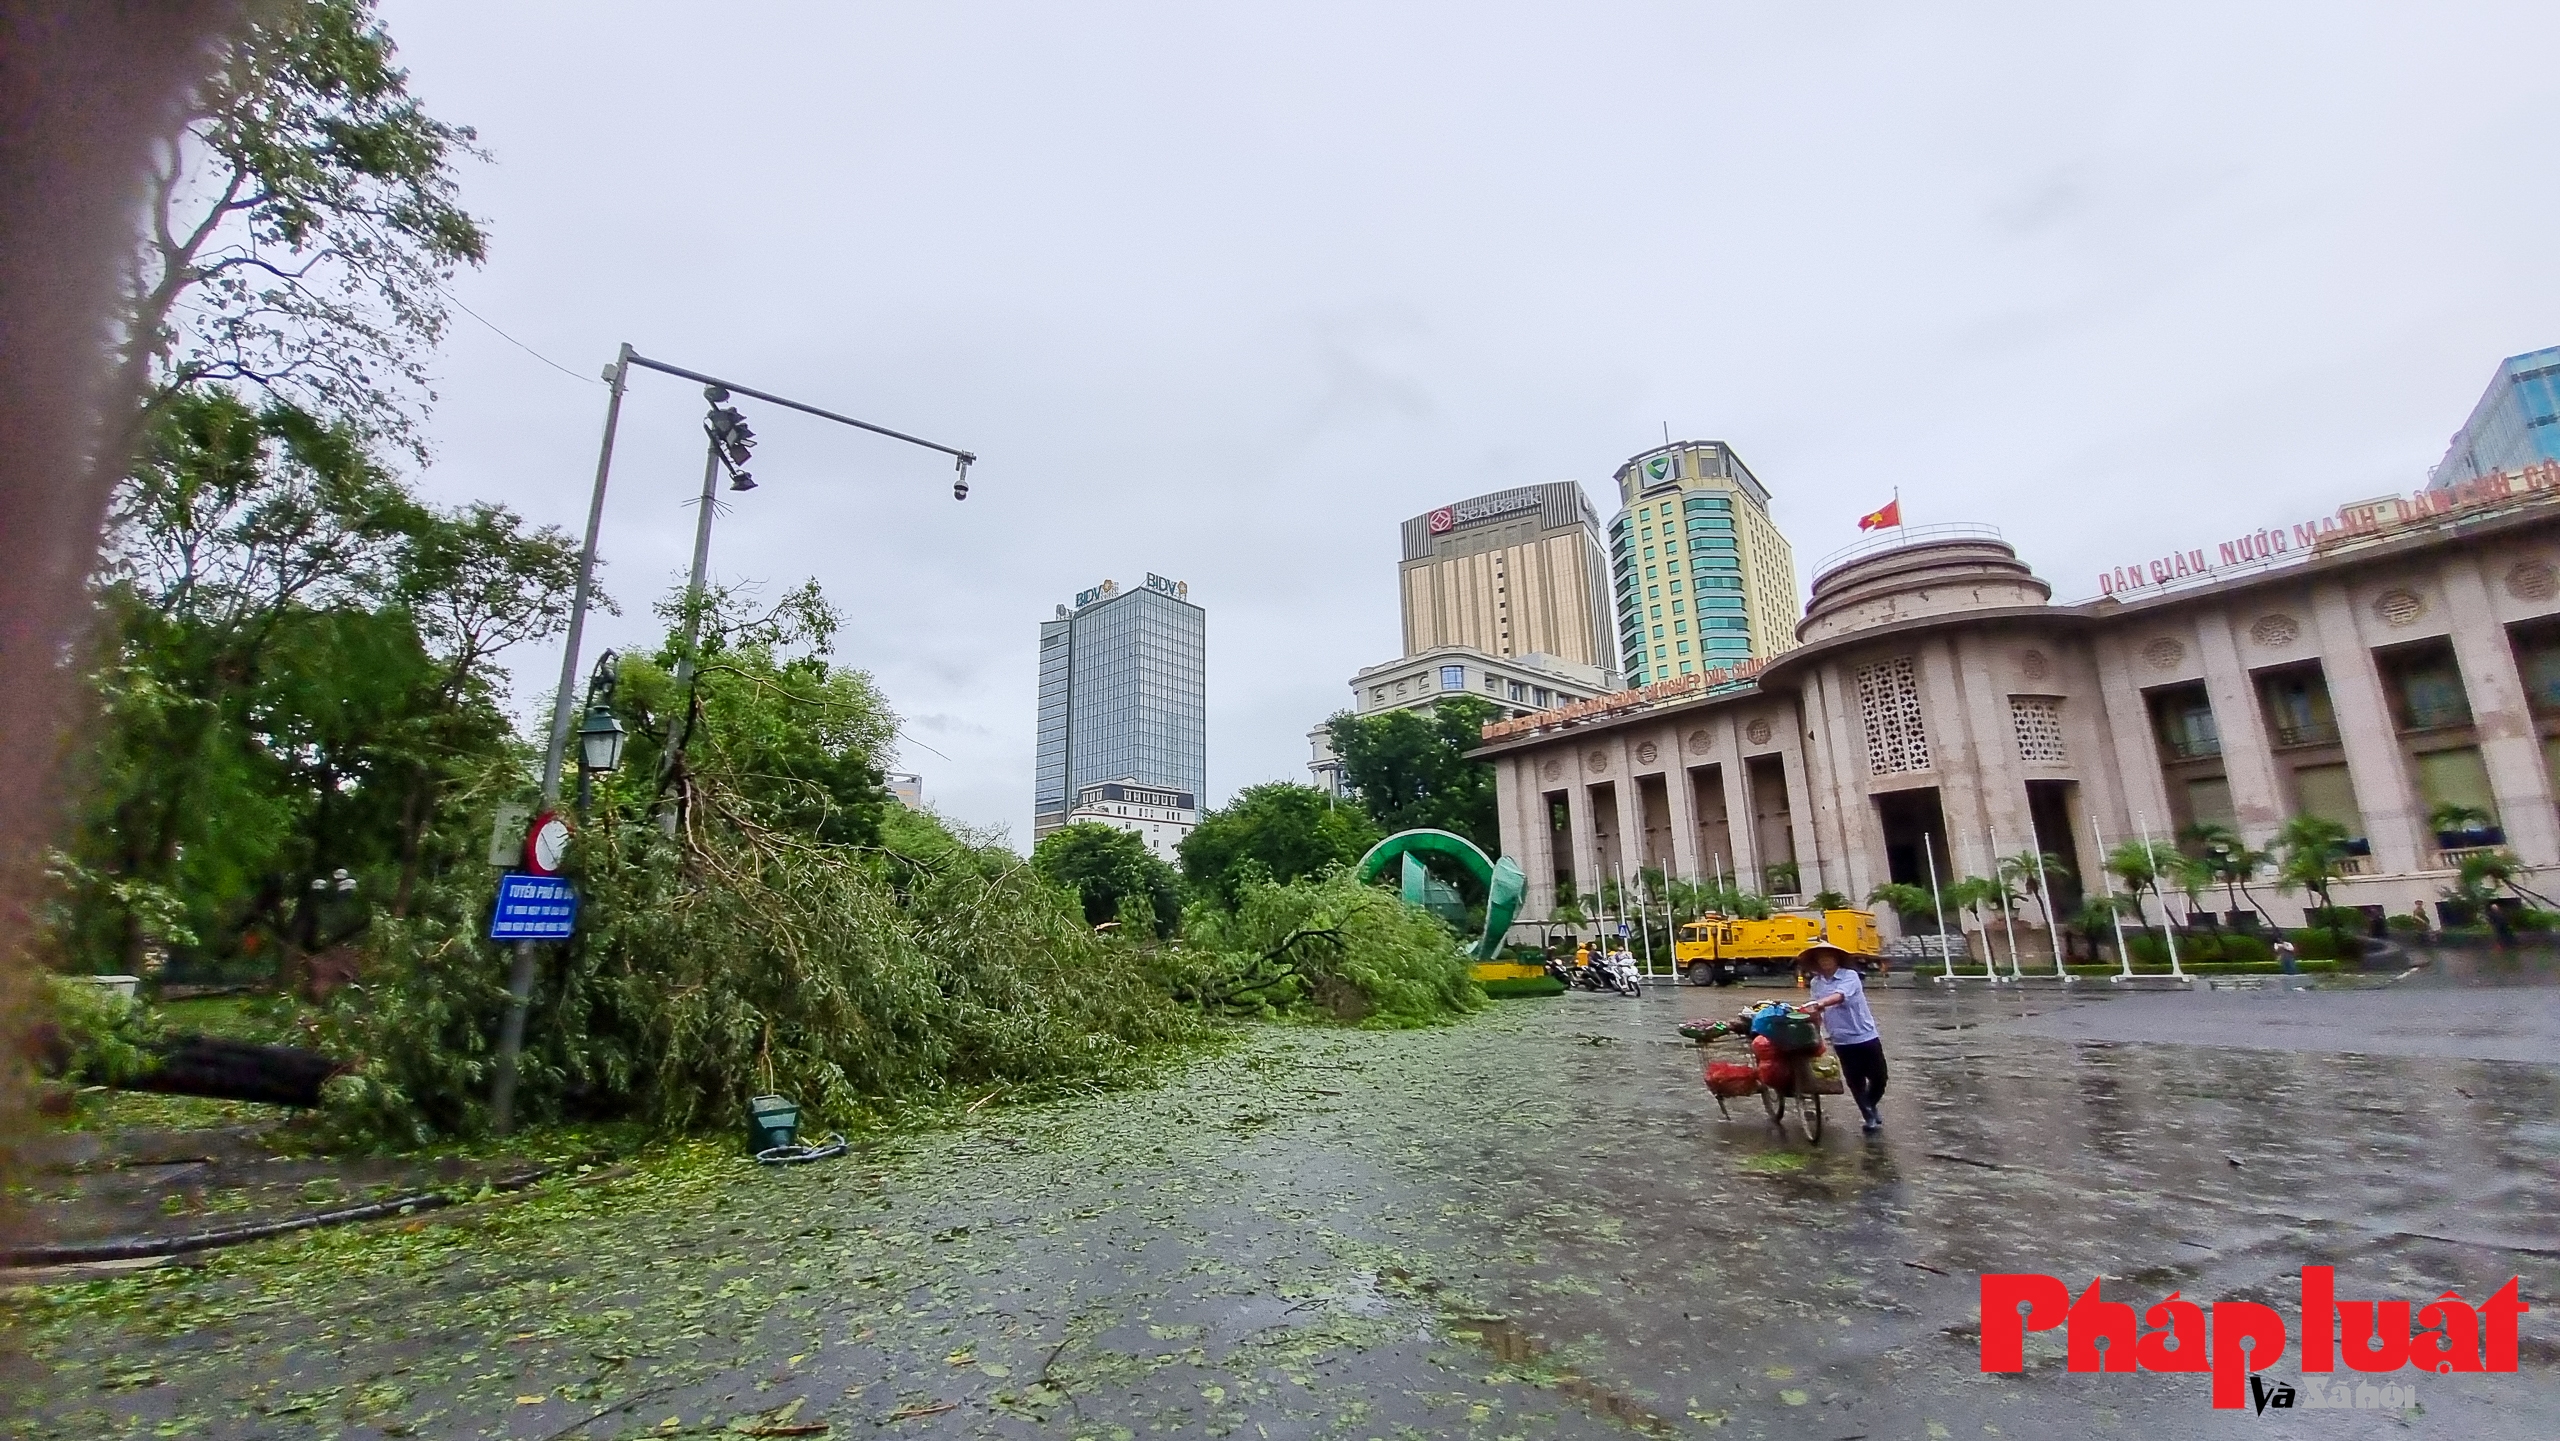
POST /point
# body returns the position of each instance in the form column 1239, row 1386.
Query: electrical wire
column 518, row 344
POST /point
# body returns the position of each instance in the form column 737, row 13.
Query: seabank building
column 1938, row 710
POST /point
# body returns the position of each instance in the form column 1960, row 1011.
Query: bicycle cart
column 1789, row 1063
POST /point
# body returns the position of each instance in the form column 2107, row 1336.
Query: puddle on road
column 1514, row 1346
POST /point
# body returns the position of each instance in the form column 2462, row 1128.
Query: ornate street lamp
column 600, row 735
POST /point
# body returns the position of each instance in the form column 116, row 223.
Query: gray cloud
column 1226, row 293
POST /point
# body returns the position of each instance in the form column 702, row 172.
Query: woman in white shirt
column 1840, row 998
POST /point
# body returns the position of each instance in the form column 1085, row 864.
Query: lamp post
column 502, row 1089
column 600, row 735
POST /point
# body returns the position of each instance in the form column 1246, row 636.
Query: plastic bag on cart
column 1826, row 1075
column 1773, row 1065
column 1732, row 1078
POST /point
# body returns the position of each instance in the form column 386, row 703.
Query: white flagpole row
column 2168, row 918
column 2106, row 878
column 2008, row 917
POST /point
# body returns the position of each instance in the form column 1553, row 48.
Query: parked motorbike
column 1616, row 971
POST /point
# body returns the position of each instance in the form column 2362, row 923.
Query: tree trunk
column 229, row 1070
column 415, row 812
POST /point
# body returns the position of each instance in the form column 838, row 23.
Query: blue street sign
column 533, row 908
column 1622, row 928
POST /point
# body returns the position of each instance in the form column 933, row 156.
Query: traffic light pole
column 502, row 1091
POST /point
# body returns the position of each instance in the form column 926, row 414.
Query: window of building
column 2182, row 716
column 1686, row 667
column 1657, row 613
column 2328, row 792
column 1676, row 607
column 1540, row 696
column 1889, row 707
column 2456, row 777
column 2037, row 722
column 2425, row 686
column 1519, row 691
column 1657, row 632
column 1492, row 684
column 1453, row 677
column 1651, row 574
column 1683, row 647
column 2296, row 700
column 1679, row 627
column 1654, row 592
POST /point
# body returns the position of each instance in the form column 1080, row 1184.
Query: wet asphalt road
column 1531, row 1224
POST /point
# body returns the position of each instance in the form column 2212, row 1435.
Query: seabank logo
column 2240, row 1338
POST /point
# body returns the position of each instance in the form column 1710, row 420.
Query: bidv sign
column 1104, row 591
column 1468, row 512
column 1178, row 589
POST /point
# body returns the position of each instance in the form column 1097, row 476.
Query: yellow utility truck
column 1715, row 950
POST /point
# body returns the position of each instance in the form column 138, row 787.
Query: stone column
column 1853, row 849
column 2393, row 818
column 1631, row 816
column 2248, row 763
column 2510, row 746
column 1586, row 839
column 1533, row 846
column 1801, row 804
column 2002, row 797
column 2137, row 757
column 1507, row 787
column 1740, row 824
column 1954, row 759
column 1683, row 803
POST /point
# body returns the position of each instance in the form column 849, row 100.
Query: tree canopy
column 1112, row 874
column 299, row 232
column 1410, row 769
column 297, row 677
column 1278, row 831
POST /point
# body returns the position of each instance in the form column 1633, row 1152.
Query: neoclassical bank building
column 1939, row 709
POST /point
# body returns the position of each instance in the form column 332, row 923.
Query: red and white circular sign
column 546, row 844
column 1443, row 519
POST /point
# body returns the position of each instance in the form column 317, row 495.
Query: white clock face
column 550, row 843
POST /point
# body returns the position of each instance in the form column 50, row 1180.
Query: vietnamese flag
column 1890, row 515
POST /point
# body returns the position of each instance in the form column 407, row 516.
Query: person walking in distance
column 1840, row 998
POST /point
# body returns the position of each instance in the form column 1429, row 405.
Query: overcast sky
column 1227, row 294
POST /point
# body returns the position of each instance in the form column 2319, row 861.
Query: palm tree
column 1568, row 911
column 1969, row 895
column 2140, row 865
column 2484, row 874
column 2028, row 873
column 2192, row 876
column 2232, row 861
column 2458, row 820
column 2314, row 855
column 1906, row 902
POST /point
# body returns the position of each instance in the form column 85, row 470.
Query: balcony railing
column 2450, row 858
column 2191, row 747
column 2307, row 733
column 2437, row 715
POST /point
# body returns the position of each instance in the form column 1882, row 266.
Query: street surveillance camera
column 959, row 490
column 715, row 393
